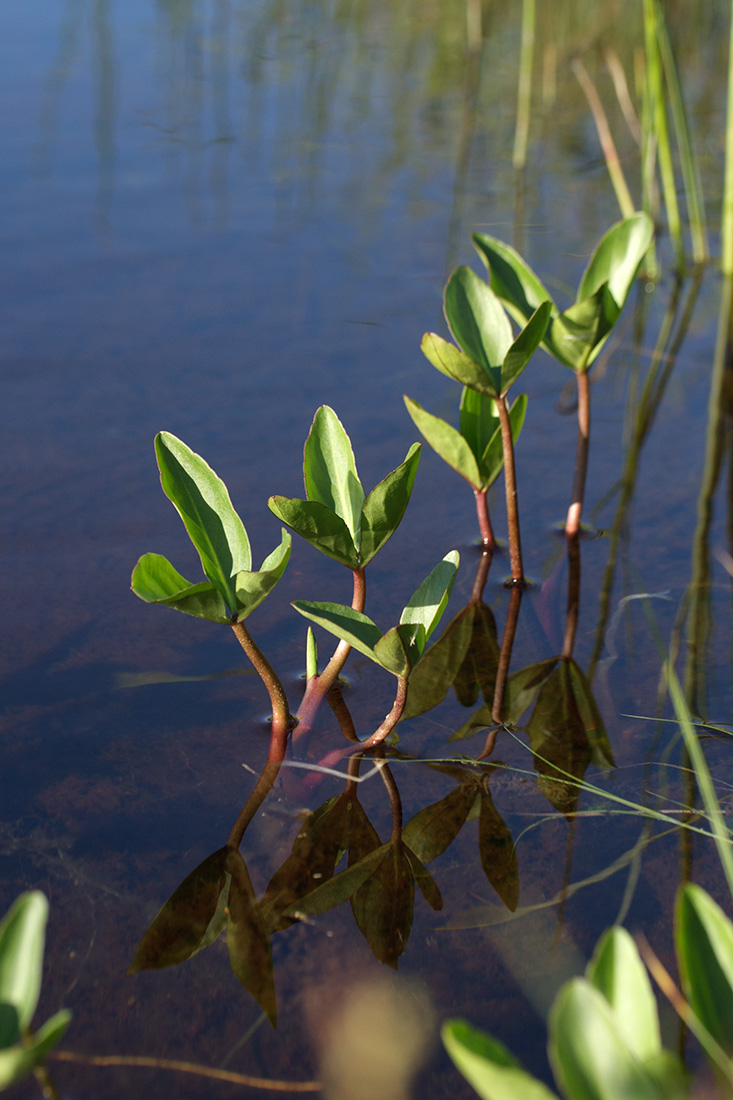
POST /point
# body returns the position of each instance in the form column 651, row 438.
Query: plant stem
column 505, row 654
column 510, row 482
column 482, row 572
column 392, row 718
column 281, row 718
column 484, row 520
column 572, row 525
column 727, row 217
column 395, row 800
column 571, row 620
column 343, row 714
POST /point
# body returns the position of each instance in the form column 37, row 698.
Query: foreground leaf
column 22, row 939
column 478, row 322
column 18, row 1061
column 704, row 942
column 617, row 256
column 427, row 604
column 351, row 626
column 488, row 1066
column 616, row 971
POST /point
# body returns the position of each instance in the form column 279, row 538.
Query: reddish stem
column 484, row 519
column 572, row 525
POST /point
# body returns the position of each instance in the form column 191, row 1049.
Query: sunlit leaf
column 435, row 827
column 202, row 501
column 439, row 665
column 22, row 939
column 311, row 655
column 424, row 880
column 525, row 345
column 488, row 1066
column 478, row 322
column 449, row 360
column 329, row 470
column 588, row 1049
column 352, row 626
column 446, row 441
column 512, row 279
column 318, row 525
column 616, row 971
column 578, row 333
column 617, row 257
column 191, row 919
column 383, row 905
column 396, row 651
column 429, row 600
column 497, row 852
column 704, row 942
column 385, row 506
column 250, row 951
column 252, row 588
column 156, row 581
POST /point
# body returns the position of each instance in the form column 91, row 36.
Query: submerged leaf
column 435, row 827
column 250, row 951
column 497, row 851
column 338, row 889
column 426, row 883
column 383, row 905
column 478, row 670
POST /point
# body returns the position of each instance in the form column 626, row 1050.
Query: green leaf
column 386, row 504
column 338, row 889
column 18, row 1061
column 512, row 279
column 329, row 470
column 488, row 1066
column 479, row 421
column 435, row 827
column 578, row 333
column 427, row 604
column 588, row 1050
column 446, row 441
column 351, row 626
column 383, row 905
column 250, row 951
column 396, row 651
column 522, row 688
column 617, row 257
column 439, row 666
column 192, row 918
column 319, row 526
column 449, row 360
column 311, row 655
column 617, row 972
column 525, row 345
column 22, row 938
column 252, row 588
column 704, row 942
column 498, row 854
column 478, row 322
column 155, row 580
column 202, row 501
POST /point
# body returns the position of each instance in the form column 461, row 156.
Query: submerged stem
column 572, row 525
column 571, row 619
column 505, row 654
column 510, row 482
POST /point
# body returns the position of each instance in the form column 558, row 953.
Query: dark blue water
column 218, row 216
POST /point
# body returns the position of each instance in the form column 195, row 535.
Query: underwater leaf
column 588, row 1050
column 329, row 470
column 352, row 626
column 435, row 827
column 478, row 322
column 202, row 501
column 252, row 588
column 479, row 720
column 590, row 716
column 617, row 257
column 22, row 939
column 363, row 837
column 449, row 360
column 191, row 919
column 558, row 739
column 512, row 279
column 383, row 905
column 19, row 1060
column 616, row 971
column 522, row 688
column 338, row 889
column 488, row 1066
column 386, row 504
column 318, row 525
column 439, row 666
column 478, row 669
column 250, row 951
column 396, row 650
column 491, row 462
column 446, row 441
column 156, row 581
column 428, row 602
column 426, row 883
column 322, row 836
column 578, row 333
column 525, row 345
column 497, row 852
column 704, row 942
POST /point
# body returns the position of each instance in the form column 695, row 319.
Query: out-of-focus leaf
column 252, row 588
column 352, row 626
column 190, row 920
column 522, row 688
column 591, row 717
column 617, row 256
column 250, row 951
column 316, row 848
column 19, row 1060
column 488, row 1066
column 446, row 441
column 427, row 604
column 525, row 345
column 492, row 459
column 704, row 942
column 202, row 501
column 438, row 667
column 478, row 669
column 436, row 826
column 338, row 889
column 616, row 971
column 319, row 526
column 588, row 1050
column 577, row 334
column 426, row 883
column 449, row 360
column 156, row 581
column 511, row 278
column 22, row 939
column 498, row 854
column 329, row 470
column 383, row 905
column 385, row 506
